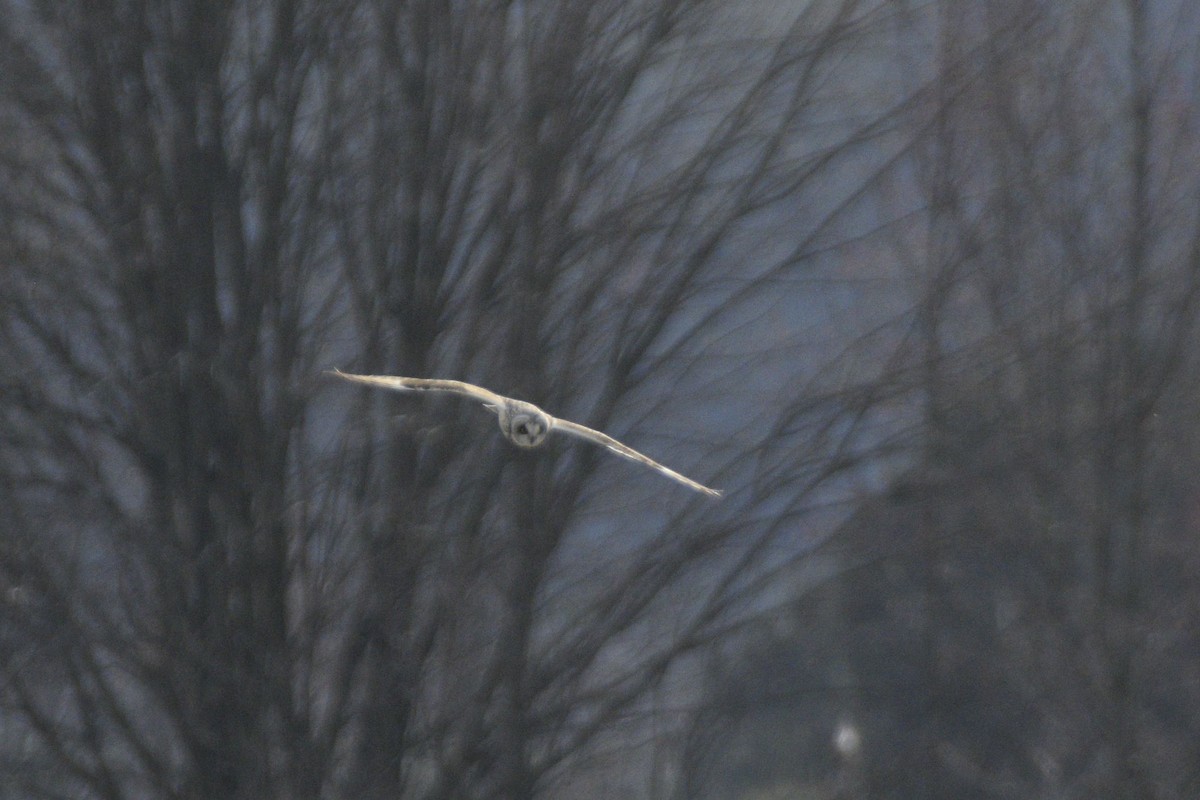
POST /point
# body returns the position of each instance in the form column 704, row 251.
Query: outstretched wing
column 399, row 384
column 612, row 444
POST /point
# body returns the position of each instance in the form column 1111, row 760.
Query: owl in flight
column 523, row 424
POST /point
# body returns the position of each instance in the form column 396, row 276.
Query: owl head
column 524, row 424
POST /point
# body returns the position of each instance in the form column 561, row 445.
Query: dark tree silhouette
column 226, row 577
column 1013, row 620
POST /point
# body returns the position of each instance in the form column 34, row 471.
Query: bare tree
column 1016, row 623
column 1060, row 311
column 228, row 579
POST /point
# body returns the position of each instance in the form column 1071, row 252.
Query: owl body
column 523, row 424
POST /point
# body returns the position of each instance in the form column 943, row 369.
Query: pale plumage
column 523, row 424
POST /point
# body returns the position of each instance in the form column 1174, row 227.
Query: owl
column 523, row 424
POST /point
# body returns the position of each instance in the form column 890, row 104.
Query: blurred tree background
column 915, row 283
